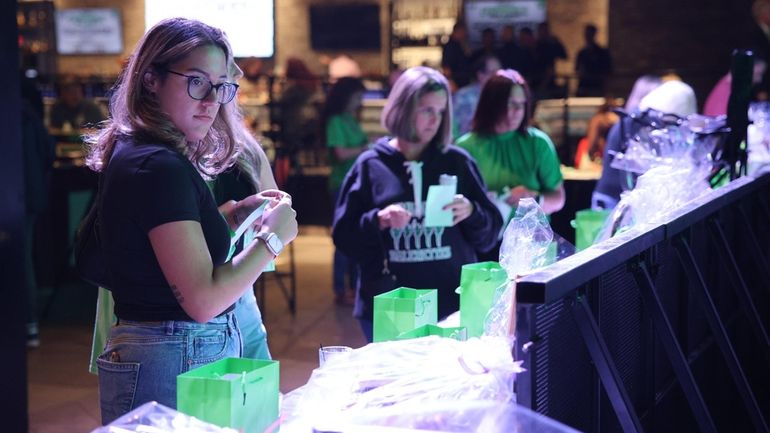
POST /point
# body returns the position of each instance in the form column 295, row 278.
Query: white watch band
column 272, row 242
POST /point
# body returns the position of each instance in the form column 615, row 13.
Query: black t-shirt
column 147, row 185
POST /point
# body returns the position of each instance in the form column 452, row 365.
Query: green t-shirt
column 512, row 159
column 342, row 130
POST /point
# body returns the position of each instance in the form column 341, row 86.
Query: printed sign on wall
column 89, row 31
column 496, row 14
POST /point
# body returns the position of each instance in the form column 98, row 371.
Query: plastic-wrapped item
column 466, row 417
column 407, row 374
column 758, row 136
column 670, row 140
column 153, row 417
column 659, row 191
column 526, row 245
column 674, row 158
column 526, row 239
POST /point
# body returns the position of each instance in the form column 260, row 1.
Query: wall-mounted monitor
column 249, row 24
column 89, row 31
column 345, row 27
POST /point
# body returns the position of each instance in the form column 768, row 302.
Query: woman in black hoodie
column 380, row 214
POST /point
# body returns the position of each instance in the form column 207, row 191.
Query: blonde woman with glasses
column 163, row 238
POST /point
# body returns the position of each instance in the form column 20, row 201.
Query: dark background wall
column 693, row 38
column 13, row 298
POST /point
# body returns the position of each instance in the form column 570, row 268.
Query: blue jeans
column 253, row 330
column 142, row 359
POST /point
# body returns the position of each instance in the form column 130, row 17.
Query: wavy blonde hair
column 136, row 113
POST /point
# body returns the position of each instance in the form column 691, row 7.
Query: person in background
column 164, row 240
column 72, row 110
column 511, row 54
column 591, row 147
column 716, row 101
column 380, row 215
column 759, row 42
column 343, row 66
column 298, row 107
column 455, row 63
column 251, row 174
column 548, row 49
column 488, row 46
column 642, row 87
column 345, row 140
column 39, row 153
column 465, row 99
column 515, row 159
column 671, row 97
column 527, row 43
column 593, row 65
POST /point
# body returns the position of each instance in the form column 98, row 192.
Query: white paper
column 247, row 223
column 438, row 197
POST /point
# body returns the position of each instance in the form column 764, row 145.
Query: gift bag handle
column 422, row 303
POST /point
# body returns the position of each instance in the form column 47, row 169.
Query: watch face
column 275, row 244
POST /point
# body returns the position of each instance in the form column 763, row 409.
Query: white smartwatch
column 272, row 242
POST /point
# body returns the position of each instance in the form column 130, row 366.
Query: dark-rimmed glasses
column 200, row 88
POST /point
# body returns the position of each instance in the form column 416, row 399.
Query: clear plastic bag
column 527, row 244
column 153, row 417
column 406, row 374
column 658, row 192
column 674, row 158
column 470, row 417
column 668, row 140
column 758, row 136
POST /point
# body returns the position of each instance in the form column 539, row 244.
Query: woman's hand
column 461, row 208
column 281, row 219
column 518, row 193
column 274, row 195
column 393, row 216
column 235, row 213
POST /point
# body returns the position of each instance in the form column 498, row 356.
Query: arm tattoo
column 177, row 294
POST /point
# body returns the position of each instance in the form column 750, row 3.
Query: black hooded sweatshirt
column 418, row 257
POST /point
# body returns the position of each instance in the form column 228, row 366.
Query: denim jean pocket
column 210, row 346
column 117, row 387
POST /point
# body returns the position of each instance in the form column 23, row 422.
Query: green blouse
column 342, row 130
column 512, row 159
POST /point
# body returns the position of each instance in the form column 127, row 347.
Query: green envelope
column 458, row 333
column 403, row 309
column 478, row 284
column 238, row 393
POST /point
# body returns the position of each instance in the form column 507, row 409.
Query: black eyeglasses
column 200, row 88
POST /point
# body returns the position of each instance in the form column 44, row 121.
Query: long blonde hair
column 136, row 113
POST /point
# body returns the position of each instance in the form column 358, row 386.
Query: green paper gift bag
column 478, row 283
column 587, row 224
column 458, row 333
column 234, row 392
column 403, row 309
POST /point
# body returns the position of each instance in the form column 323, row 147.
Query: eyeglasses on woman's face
column 200, row 88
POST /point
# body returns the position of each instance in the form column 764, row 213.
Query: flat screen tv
column 345, row 27
column 88, row 31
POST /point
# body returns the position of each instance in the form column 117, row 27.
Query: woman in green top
column 346, row 140
column 515, row 160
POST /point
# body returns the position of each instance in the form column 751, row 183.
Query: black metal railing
column 661, row 328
